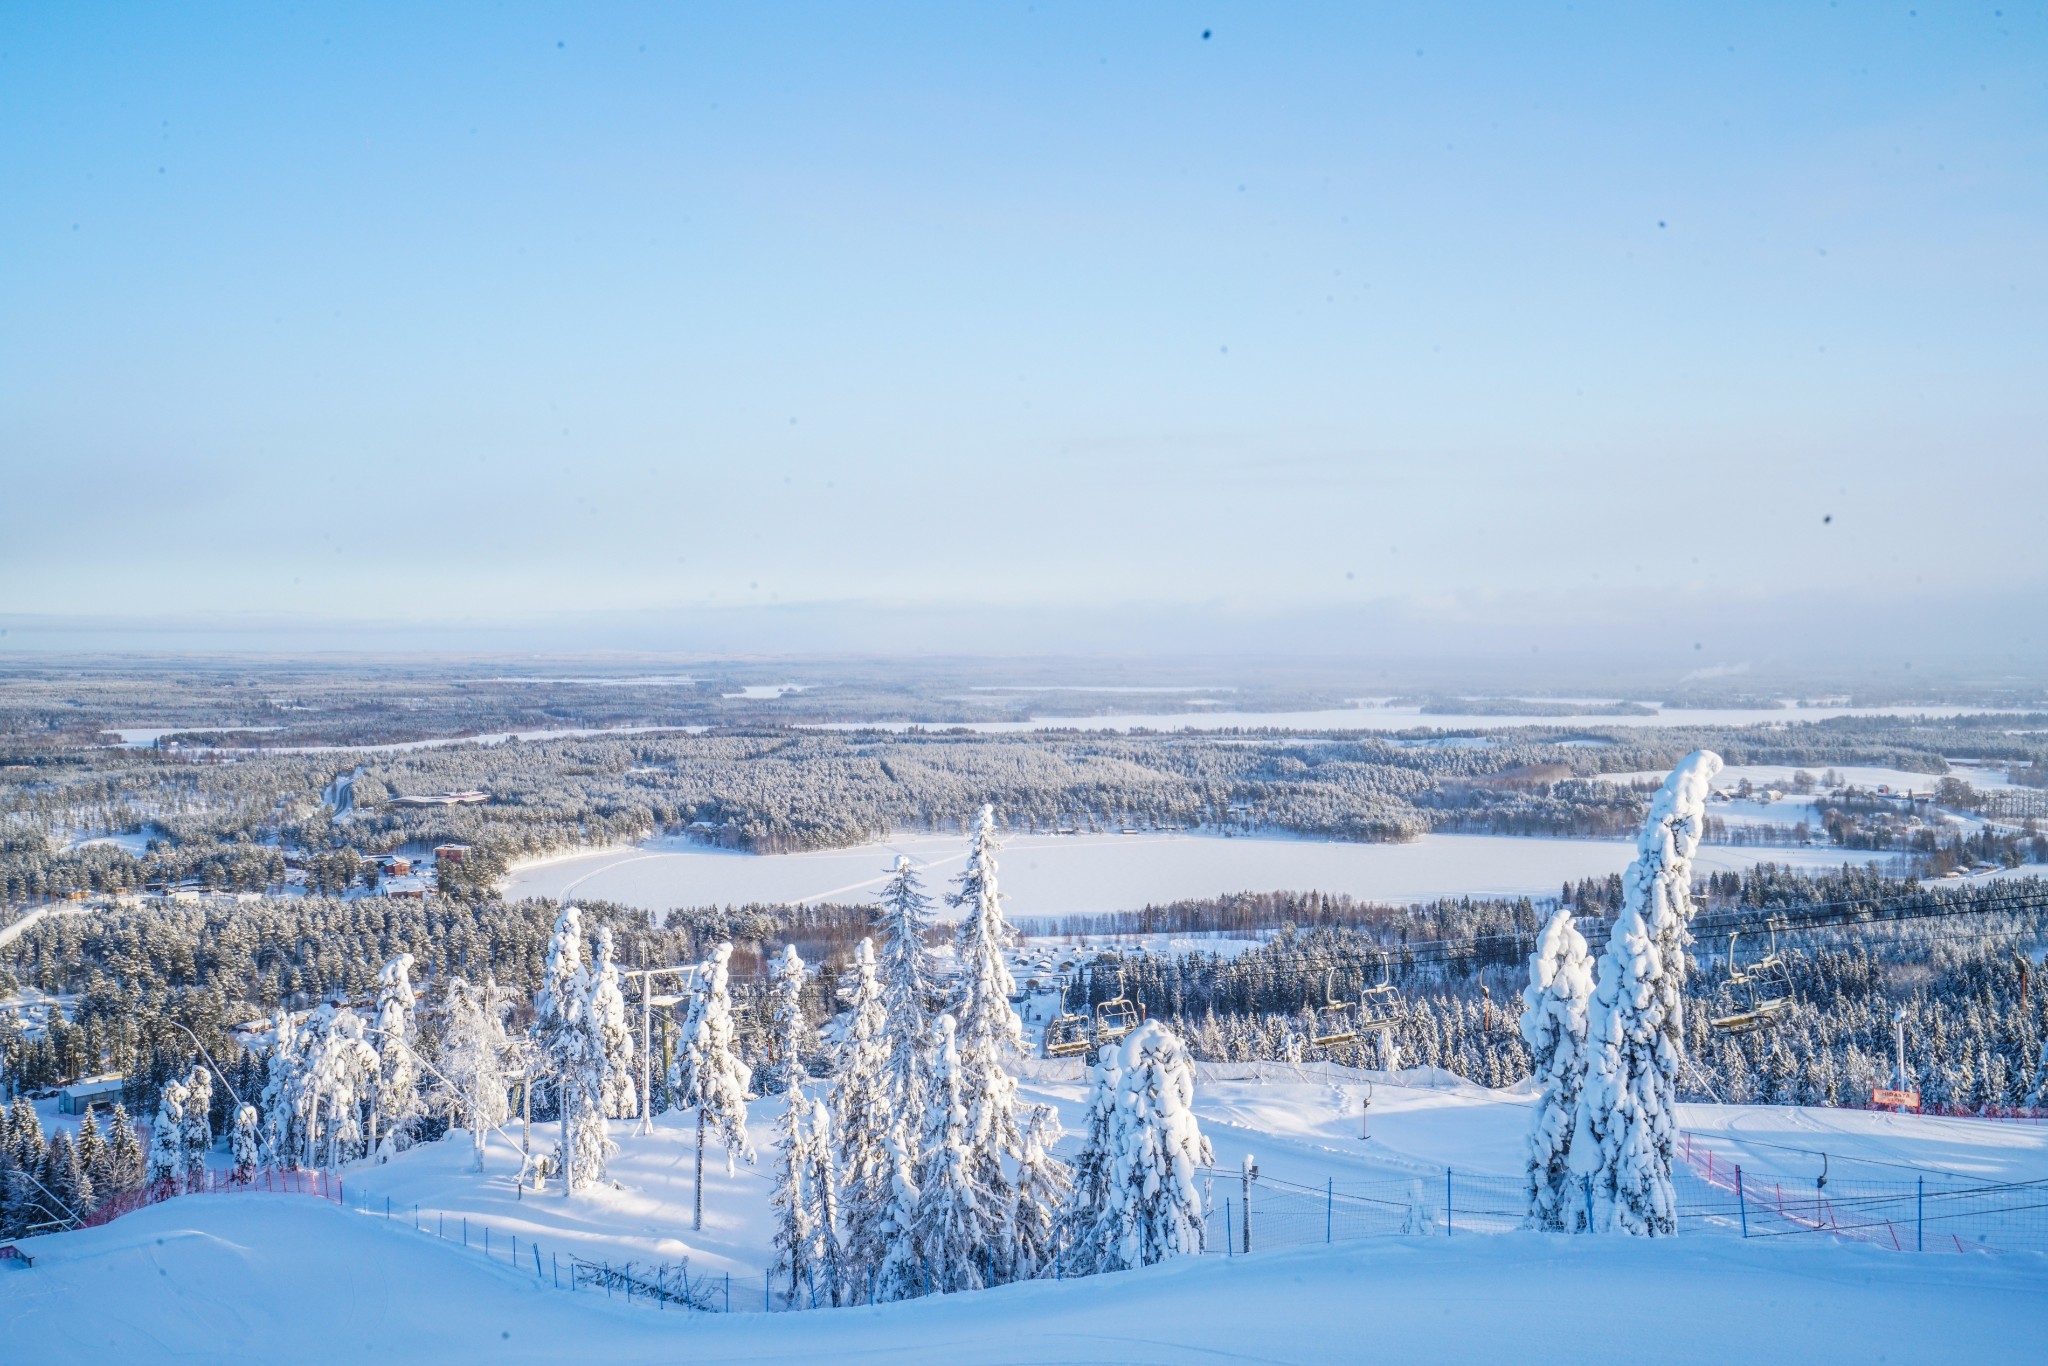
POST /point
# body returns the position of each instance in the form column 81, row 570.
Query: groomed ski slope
column 260, row 1278
column 291, row 1278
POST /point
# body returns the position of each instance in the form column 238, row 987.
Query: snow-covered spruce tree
column 1087, row 1218
column 908, row 988
column 607, row 1019
column 796, row 1199
column 246, row 1145
column 1626, row 1126
column 284, row 1068
column 1157, row 1149
column 989, row 1033
column 344, row 1068
column 899, row 1274
column 92, row 1152
column 166, row 1139
column 197, row 1137
column 865, row 1123
column 708, row 1072
column 473, row 1056
column 126, row 1166
column 952, row 1226
column 398, row 1090
column 1554, row 1026
column 575, row 1062
column 1041, row 1193
column 830, row 1277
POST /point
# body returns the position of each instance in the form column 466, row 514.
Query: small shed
column 81, row 1096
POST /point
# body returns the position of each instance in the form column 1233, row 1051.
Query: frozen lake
column 1371, row 718
column 1047, row 875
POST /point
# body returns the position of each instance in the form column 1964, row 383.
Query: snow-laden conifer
column 864, row 1122
column 246, row 1145
column 990, row 1033
column 607, row 1020
column 1087, row 1219
column 197, row 1138
column 1040, row 1196
column 474, row 1057
column 908, row 988
column 796, row 1200
column 1626, row 1125
column 708, row 1072
column 127, row 1168
column 1157, row 1150
column 899, row 1274
column 575, row 1069
column 1554, row 1027
column 398, row 1090
column 826, row 1255
column 952, row 1226
column 166, row 1138
column 344, row 1067
column 284, row 1073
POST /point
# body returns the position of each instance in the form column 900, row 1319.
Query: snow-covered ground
column 291, row 1278
column 1048, row 875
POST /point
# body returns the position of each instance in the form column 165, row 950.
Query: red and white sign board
column 1909, row 1099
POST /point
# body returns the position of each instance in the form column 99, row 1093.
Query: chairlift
column 1757, row 997
column 1066, row 1036
column 1379, row 1005
column 1333, row 1020
column 1114, row 1019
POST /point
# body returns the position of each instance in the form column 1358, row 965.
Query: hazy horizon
column 1691, row 340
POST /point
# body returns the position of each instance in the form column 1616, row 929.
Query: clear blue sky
column 1523, row 311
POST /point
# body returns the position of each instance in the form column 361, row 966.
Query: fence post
column 764, row 1289
column 387, row 1207
column 487, row 1240
column 555, row 1267
column 1741, row 1205
column 1447, row 1202
column 1919, row 1214
column 465, row 1230
column 728, row 1292
column 1329, row 1207
column 1229, row 1237
column 1250, row 1167
column 1588, row 1183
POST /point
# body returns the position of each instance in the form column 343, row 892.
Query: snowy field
column 1052, row 875
column 292, row 1278
column 1376, row 718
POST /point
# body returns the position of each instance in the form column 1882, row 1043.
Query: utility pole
column 648, row 1001
column 1899, row 1040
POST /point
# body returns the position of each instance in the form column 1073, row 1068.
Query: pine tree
column 398, row 1096
column 865, row 1122
column 952, row 1227
column 1626, row 1127
column 1554, row 1026
column 65, row 1180
column 613, row 1033
column 708, row 1072
column 1154, row 1209
column 343, row 1069
column 989, row 1031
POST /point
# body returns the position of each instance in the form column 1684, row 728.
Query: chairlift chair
column 1066, row 1036
column 1757, row 997
column 1114, row 1018
column 1333, row 1020
column 1379, row 1005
